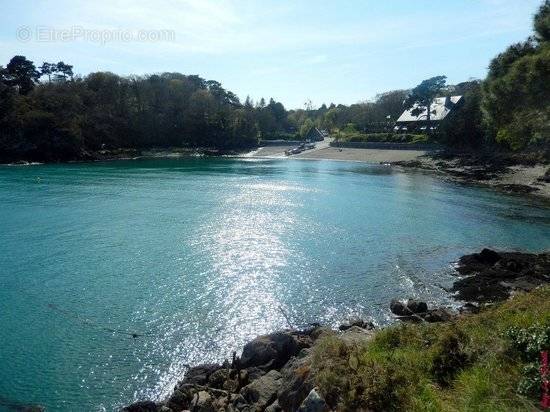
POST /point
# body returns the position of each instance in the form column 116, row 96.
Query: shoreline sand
column 518, row 179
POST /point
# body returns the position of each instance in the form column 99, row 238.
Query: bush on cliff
column 473, row 363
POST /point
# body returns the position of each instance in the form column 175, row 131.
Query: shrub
column 386, row 137
column 448, row 355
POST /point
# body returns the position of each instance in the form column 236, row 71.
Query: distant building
column 440, row 109
column 316, row 135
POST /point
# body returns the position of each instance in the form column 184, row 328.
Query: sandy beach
column 326, row 152
column 518, row 179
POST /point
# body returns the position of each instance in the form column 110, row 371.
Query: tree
column 21, row 73
column 421, row 97
column 47, row 69
column 542, row 22
column 63, row 71
column 306, row 128
column 515, row 95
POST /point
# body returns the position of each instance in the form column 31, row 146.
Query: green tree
column 542, row 22
column 21, row 73
column 516, row 97
column 421, row 97
column 306, row 128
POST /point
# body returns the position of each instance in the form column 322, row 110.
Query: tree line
column 49, row 114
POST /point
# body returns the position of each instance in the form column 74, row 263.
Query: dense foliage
column 516, row 94
column 64, row 117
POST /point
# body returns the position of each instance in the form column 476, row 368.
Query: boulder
column 398, row 308
column 357, row 335
column 468, row 308
column 437, row 315
column 269, row 351
column 199, row 375
column 218, row 378
column 180, row 399
column 488, row 256
column 416, row 306
column 313, row 403
column 263, row 391
column 203, row 402
column 296, row 384
column 357, row 323
column 274, row 407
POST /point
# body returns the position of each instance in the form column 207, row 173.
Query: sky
column 291, row 50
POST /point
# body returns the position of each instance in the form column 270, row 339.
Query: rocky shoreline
column 275, row 373
column 524, row 173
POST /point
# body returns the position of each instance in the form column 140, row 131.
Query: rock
column 203, row 402
column 517, row 188
column 492, row 276
column 269, row 351
column 356, row 335
column 141, row 406
column 218, row 377
column 253, row 373
column 437, row 315
column 411, row 307
column 313, row 403
column 488, row 256
column 357, row 323
column 321, row 331
column 296, row 384
column 239, row 402
column 180, row 399
column 468, row 308
column 263, row 391
column 199, row 375
column 274, row 407
column 398, row 308
column 416, row 306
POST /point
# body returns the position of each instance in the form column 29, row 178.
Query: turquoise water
column 200, row 255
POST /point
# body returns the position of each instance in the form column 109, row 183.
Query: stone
column 180, row 399
column 438, row 315
column 218, row 377
column 296, row 384
column 468, row 308
column 203, row 402
column 269, row 351
column 398, row 308
column 274, row 407
column 360, row 323
column 416, row 306
column 488, row 256
column 313, row 403
column 199, row 375
column 263, row 391
column 320, row 332
column 357, row 335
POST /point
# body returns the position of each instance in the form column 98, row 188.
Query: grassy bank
column 482, row 362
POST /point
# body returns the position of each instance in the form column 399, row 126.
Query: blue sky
column 326, row 51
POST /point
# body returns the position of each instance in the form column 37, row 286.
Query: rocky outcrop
column 271, row 351
column 273, row 374
column 491, row 276
column 417, row 311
